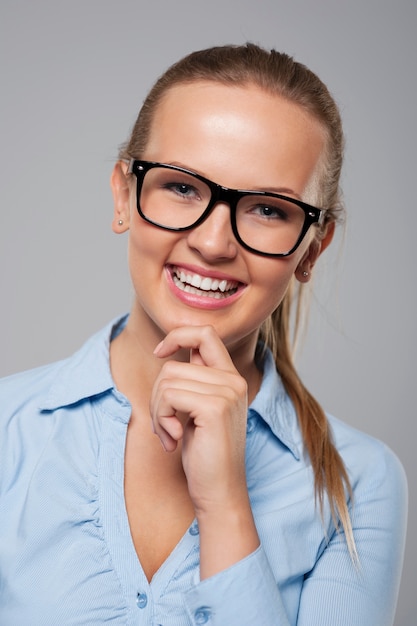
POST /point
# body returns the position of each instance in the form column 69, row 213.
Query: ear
column 121, row 198
column 314, row 250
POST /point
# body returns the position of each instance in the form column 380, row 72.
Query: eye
column 183, row 190
column 271, row 212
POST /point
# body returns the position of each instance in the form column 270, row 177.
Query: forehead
column 207, row 125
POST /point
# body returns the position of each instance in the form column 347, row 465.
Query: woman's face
column 239, row 137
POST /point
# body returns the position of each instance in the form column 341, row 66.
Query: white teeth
column 195, row 281
column 204, row 285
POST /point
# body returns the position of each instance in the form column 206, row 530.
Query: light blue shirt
column 66, row 553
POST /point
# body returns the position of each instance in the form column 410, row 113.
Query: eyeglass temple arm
column 130, row 166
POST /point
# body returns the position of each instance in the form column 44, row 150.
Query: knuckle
column 238, row 387
column 169, row 394
column 166, row 392
column 241, row 385
column 207, row 331
column 168, row 370
column 164, row 384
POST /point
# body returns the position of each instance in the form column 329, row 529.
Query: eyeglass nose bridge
column 226, row 195
column 231, row 197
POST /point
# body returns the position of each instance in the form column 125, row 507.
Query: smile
column 203, row 285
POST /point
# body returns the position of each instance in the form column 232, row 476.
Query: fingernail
column 158, row 347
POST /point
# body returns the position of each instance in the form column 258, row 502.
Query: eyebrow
column 269, row 188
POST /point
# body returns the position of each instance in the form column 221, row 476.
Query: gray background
column 73, row 75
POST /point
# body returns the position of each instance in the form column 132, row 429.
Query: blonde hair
column 279, row 74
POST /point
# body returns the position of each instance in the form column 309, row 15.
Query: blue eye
column 270, row 212
column 183, row 190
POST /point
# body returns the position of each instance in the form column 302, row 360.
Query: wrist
column 227, row 535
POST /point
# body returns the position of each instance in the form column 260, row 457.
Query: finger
column 177, row 404
column 169, row 430
column 173, row 404
column 169, row 422
column 182, row 374
column 205, row 345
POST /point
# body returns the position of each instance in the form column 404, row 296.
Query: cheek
column 142, row 253
column 266, row 293
column 276, row 291
column 275, row 276
column 146, row 240
column 149, row 249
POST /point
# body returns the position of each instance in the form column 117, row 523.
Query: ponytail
column 330, row 475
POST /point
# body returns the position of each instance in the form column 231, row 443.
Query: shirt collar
column 87, row 374
column 274, row 406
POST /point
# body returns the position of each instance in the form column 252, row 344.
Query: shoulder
column 372, row 465
column 24, row 429
column 83, row 374
column 27, row 386
column 23, row 424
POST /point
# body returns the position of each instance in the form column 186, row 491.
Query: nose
column 214, row 240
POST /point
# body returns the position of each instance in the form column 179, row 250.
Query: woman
column 257, row 509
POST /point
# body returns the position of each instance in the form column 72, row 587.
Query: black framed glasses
column 177, row 199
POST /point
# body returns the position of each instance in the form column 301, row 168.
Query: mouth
column 205, row 286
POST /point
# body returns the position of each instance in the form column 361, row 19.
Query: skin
column 188, row 368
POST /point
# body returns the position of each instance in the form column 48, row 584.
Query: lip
column 194, row 269
column 198, row 300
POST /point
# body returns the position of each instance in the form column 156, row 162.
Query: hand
column 204, row 404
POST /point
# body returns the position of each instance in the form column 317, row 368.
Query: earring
column 120, row 222
column 305, row 274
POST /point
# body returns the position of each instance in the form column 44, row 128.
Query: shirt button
column 202, row 615
column 141, row 600
column 194, row 529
